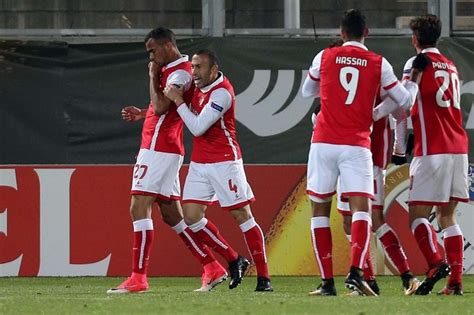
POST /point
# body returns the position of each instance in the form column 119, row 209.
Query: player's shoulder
column 221, row 93
column 409, row 62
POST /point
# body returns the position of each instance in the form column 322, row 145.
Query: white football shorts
column 379, row 192
column 224, row 182
column 328, row 162
column 439, row 178
column 157, row 174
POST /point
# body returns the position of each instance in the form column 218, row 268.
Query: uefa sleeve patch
column 217, row 107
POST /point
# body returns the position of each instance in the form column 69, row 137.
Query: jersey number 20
column 448, row 79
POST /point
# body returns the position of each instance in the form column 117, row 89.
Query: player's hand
column 154, row 70
column 420, row 62
column 399, row 159
column 132, row 113
column 174, row 93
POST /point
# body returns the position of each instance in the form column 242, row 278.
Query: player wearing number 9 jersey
column 438, row 172
column 347, row 80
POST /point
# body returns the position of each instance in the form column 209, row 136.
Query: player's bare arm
column 160, row 103
column 133, row 113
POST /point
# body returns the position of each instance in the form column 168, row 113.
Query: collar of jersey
column 219, row 79
column 431, row 50
column 183, row 58
column 354, row 43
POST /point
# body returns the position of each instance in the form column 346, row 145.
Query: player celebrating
column 155, row 176
column 438, row 171
column 347, row 79
column 216, row 170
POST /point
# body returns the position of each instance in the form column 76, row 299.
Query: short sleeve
column 388, row 78
column 180, row 78
column 315, row 66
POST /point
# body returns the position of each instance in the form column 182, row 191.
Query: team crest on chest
column 201, row 100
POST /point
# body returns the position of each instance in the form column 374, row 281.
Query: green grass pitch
column 175, row 296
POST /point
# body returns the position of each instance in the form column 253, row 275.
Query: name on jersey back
column 443, row 65
column 353, row 61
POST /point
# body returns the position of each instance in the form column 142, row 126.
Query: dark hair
column 161, row 35
column 353, row 23
column 213, row 60
column 427, row 29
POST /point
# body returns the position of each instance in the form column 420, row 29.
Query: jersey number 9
column 349, row 79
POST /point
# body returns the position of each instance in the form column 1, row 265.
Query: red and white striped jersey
column 436, row 114
column 349, row 77
column 218, row 142
column 164, row 133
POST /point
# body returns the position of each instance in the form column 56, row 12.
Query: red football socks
column 392, row 248
column 360, row 233
column 209, row 234
column 322, row 245
column 256, row 245
column 425, row 236
column 454, row 248
column 142, row 240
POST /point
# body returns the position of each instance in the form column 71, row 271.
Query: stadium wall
column 61, row 103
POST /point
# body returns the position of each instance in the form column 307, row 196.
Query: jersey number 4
column 447, row 80
column 349, row 79
column 232, row 186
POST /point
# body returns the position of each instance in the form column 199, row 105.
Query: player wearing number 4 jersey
column 438, row 172
column 216, row 171
column 347, row 80
column 155, row 176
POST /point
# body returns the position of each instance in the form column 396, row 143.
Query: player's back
column 350, row 78
column 436, row 115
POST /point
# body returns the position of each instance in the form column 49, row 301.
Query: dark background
column 60, row 103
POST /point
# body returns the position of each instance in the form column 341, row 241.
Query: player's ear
column 414, row 41
column 366, row 32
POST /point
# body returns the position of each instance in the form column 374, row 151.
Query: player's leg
column 431, row 178
column 321, row 237
column 143, row 235
column 321, row 186
column 369, row 274
column 255, row 241
column 357, row 186
column 453, row 238
column 387, row 236
column 453, row 247
column 391, row 245
column 235, row 195
column 197, row 195
column 214, row 273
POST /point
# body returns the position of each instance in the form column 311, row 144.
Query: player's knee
column 241, row 215
column 377, row 221
column 347, row 223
